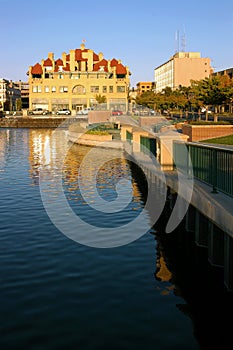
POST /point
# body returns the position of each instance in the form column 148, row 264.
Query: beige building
column 76, row 80
column 10, row 95
column 144, row 87
column 181, row 69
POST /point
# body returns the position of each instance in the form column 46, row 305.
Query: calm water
column 157, row 292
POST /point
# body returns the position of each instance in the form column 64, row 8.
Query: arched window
column 79, row 90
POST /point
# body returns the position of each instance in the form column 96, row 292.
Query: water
column 157, row 292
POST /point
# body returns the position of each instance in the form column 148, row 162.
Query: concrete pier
column 215, row 245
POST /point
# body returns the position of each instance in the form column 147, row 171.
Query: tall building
column 228, row 72
column 180, row 69
column 76, row 80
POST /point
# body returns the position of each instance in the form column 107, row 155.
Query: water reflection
column 181, row 270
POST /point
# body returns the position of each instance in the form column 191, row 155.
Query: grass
column 202, row 122
column 225, row 140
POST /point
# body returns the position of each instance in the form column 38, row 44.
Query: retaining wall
column 204, row 132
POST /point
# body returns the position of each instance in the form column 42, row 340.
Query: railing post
column 214, row 171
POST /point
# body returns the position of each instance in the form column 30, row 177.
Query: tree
column 100, row 98
column 18, row 104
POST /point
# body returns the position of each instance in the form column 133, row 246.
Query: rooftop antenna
column 183, row 41
column 177, row 41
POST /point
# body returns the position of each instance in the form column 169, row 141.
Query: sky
column 143, row 35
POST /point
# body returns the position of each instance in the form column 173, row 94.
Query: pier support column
column 172, row 195
column 190, row 219
column 228, row 261
column 215, row 245
column 201, row 230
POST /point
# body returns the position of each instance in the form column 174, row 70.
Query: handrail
column 210, row 164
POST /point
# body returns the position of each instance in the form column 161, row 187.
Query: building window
column 79, row 90
column 63, row 89
column 53, row 88
column 111, row 88
column 60, row 76
column 46, row 89
column 104, row 89
column 37, row 88
column 120, row 88
column 95, row 89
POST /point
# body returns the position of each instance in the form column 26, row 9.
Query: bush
column 97, row 132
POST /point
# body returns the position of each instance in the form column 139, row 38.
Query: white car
column 39, row 111
column 63, row 111
column 84, row 111
column 203, row 110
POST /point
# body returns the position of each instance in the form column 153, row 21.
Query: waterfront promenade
column 216, row 208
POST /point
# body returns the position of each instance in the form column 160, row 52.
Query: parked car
column 85, row 111
column 203, row 110
column 117, row 112
column 39, row 111
column 63, row 111
column 165, row 112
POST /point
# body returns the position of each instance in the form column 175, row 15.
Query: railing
column 147, row 145
column 210, row 164
column 129, row 136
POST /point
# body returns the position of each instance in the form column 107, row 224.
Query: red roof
column 59, row 62
column 48, row 63
column 37, row 69
column 78, row 55
column 68, row 57
column 67, row 68
column 114, row 62
column 120, row 69
column 95, row 57
column 102, row 63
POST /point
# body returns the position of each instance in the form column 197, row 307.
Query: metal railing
column 210, row 164
column 147, row 145
column 129, row 136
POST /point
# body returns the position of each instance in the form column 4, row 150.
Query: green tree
column 100, row 98
column 18, row 104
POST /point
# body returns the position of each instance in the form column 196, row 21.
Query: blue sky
column 141, row 34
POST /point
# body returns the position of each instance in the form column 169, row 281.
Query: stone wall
column 28, row 122
column 98, row 117
column 148, row 121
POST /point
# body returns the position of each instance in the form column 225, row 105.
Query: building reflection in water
column 47, row 150
column 4, row 142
